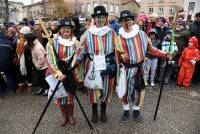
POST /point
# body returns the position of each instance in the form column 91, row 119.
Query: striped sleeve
column 51, row 60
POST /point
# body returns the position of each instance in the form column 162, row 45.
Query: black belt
column 128, row 65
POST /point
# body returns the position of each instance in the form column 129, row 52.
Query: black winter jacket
column 5, row 52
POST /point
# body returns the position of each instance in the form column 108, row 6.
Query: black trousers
column 41, row 79
column 196, row 74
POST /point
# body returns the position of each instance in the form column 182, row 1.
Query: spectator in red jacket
column 187, row 61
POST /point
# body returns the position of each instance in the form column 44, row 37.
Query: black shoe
column 137, row 116
column 94, row 113
column 104, row 117
column 45, row 93
column 40, row 91
column 125, row 115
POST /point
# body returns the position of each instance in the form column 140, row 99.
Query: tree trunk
column 7, row 11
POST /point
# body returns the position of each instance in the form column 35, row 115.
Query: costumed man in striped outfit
column 100, row 41
column 134, row 44
column 62, row 48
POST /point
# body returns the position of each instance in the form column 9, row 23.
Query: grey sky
column 26, row 2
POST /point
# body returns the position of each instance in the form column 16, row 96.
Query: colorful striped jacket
column 98, row 45
column 64, row 49
column 133, row 50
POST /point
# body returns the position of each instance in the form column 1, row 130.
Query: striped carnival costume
column 99, row 40
column 132, row 50
column 63, row 49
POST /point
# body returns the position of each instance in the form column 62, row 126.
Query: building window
column 105, row 5
column 95, row 4
column 172, row 0
column 161, row 10
column 150, row 9
column 150, row 1
column 88, row 7
column 172, row 10
column 191, row 6
column 82, row 8
column 161, row 1
column 117, row 9
column 111, row 7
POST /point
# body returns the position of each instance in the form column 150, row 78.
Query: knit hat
column 142, row 16
column 25, row 30
column 153, row 30
column 194, row 40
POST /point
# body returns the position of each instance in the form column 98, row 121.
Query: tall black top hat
column 126, row 14
column 66, row 21
column 99, row 10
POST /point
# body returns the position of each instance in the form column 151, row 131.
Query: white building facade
column 191, row 7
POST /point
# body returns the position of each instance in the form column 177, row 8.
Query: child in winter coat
column 166, row 45
column 152, row 60
column 187, row 61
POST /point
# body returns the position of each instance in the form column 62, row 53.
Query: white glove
column 193, row 62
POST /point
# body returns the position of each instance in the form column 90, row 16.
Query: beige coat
column 38, row 53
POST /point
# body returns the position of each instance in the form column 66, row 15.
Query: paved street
column 179, row 113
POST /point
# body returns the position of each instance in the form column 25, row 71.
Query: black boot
column 94, row 113
column 137, row 116
column 125, row 115
column 103, row 112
